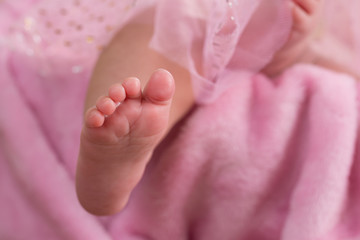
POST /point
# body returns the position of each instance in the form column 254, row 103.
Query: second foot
column 305, row 29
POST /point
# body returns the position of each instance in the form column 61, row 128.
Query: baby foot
column 305, row 29
column 128, row 117
column 118, row 138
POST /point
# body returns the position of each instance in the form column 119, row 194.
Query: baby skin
column 131, row 116
column 305, row 29
column 117, row 141
column 128, row 120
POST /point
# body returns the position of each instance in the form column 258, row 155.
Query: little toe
column 132, row 87
column 117, row 93
column 94, row 118
column 160, row 88
column 106, row 105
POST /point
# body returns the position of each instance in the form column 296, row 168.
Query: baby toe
column 94, row 118
column 117, row 93
column 106, row 105
column 132, row 87
column 160, row 87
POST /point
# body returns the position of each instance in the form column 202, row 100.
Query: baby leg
column 117, row 142
column 122, row 130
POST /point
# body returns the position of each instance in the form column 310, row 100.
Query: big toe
column 160, row 87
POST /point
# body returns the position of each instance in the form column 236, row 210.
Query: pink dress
column 256, row 158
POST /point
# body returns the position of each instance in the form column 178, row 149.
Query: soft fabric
column 256, row 158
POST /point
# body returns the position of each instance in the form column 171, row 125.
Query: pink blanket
column 276, row 159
